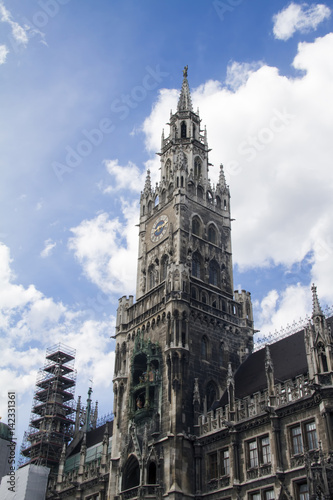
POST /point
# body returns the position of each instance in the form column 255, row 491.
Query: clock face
column 159, row 228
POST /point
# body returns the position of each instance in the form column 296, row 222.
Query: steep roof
column 289, row 360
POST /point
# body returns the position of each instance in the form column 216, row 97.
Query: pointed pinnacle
column 148, row 182
column 222, row 181
column 185, row 101
column 316, row 309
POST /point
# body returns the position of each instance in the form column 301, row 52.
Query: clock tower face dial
column 159, row 228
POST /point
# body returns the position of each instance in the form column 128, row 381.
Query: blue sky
column 85, row 90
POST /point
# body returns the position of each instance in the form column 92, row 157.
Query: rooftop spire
column 185, row 102
column 222, row 181
column 147, row 187
column 316, row 309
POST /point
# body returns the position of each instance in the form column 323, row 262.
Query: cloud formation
column 107, row 249
column 18, row 33
column 48, row 247
column 299, row 17
column 3, row 54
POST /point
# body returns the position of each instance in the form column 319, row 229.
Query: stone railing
column 287, row 392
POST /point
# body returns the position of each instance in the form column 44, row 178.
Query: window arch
column 131, row 474
column 164, row 267
column 183, row 130
column 151, row 277
column 196, row 266
column 212, row 234
column 211, row 394
column 213, row 273
column 152, row 479
column 200, row 192
column 209, row 197
column 197, row 168
column 168, row 169
column 204, row 348
column 221, row 354
column 196, row 226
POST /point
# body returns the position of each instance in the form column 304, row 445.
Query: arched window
column 152, row 473
column 183, row 130
column 196, row 226
column 164, row 267
column 213, row 273
column 212, row 234
column 200, row 192
column 151, row 277
column 196, row 266
column 204, row 348
column 203, row 298
column 197, row 168
column 210, row 394
column 194, row 293
column 167, row 169
column 218, row 201
column 131, row 474
column 221, row 354
column 210, row 198
column 156, row 201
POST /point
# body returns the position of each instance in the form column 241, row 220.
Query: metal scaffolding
column 52, row 416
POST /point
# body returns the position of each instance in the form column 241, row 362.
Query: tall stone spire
column 185, row 101
column 222, row 181
column 316, row 309
column 147, row 187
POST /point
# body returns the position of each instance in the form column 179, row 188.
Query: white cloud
column 107, row 249
column 126, row 177
column 3, row 54
column 280, row 313
column 19, row 34
column 47, row 250
column 238, row 73
column 299, row 17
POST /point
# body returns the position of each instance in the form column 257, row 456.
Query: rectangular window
column 269, row 495
column 311, row 435
column 213, row 472
column 255, row 496
column 259, row 452
column 297, row 443
column 303, row 492
column 265, row 450
column 304, row 436
column 253, row 454
column 225, row 462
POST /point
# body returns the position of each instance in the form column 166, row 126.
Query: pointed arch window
column 196, row 226
column 168, row 170
column 204, row 348
column 164, row 267
column 211, row 394
column 196, row 266
column 151, row 277
column 183, row 130
column 213, row 273
column 197, row 168
column 131, row 476
column 212, row 234
column 152, row 473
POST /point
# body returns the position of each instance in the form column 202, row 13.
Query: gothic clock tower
column 175, row 343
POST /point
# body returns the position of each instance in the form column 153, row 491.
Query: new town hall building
column 198, row 414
